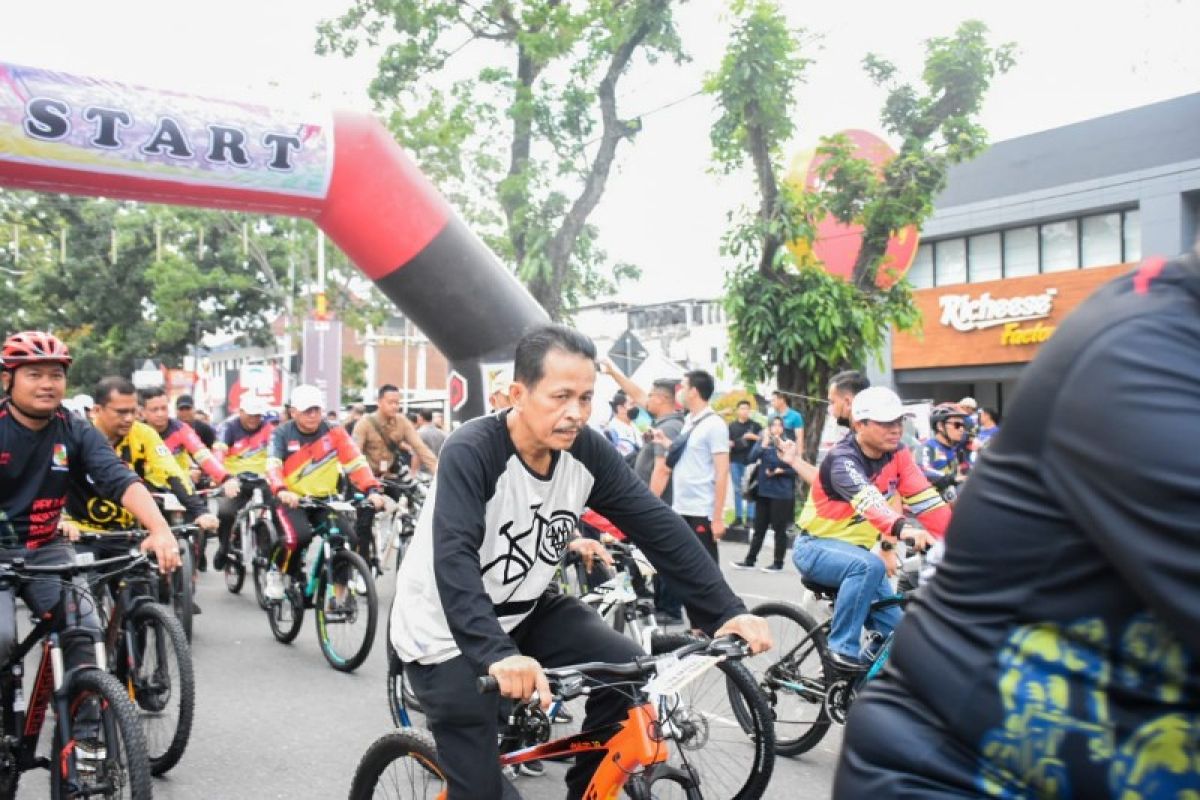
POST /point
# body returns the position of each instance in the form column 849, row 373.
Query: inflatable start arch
column 79, row 135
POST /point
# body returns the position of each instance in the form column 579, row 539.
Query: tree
column 789, row 317
column 523, row 149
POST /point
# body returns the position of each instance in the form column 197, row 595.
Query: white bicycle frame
column 617, row 593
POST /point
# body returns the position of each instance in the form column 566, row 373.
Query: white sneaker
column 274, row 588
column 358, row 585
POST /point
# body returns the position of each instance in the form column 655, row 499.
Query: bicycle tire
column 358, row 644
column 733, row 758
column 401, row 757
column 181, row 590
column 122, row 732
column 286, row 616
column 235, row 559
column 164, row 743
column 793, row 677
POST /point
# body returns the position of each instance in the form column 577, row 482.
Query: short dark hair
column 991, row 412
column 529, row 362
column 744, row 403
column 107, row 387
column 426, row 414
column 387, row 387
column 665, row 386
column 850, row 381
column 702, row 382
column 618, row 399
column 147, row 393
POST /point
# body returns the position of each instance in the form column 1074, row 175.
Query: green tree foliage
column 790, row 319
column 524, row 146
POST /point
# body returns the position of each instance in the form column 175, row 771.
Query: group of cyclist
column 1053, row 655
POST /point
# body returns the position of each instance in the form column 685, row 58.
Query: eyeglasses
column 956, row 425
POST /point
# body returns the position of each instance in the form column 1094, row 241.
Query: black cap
column 184, row 401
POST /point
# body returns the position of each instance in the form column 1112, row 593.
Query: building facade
column 1024, row 233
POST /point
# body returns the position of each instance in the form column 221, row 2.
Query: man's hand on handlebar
column 289, row 499
column 207, row 522
column 377, row 501
column 519, row 677
column 916, row 537
column 751, row 628
column 231, row 487
column 165, row 548
column 68, row 529
column 590, row 550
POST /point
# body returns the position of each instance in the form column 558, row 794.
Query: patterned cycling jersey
column 943, row 462
column 185, row 445
column 143, row 451
column 240, row 450
column 850, row 500
column 38, row 469
column 311, row 464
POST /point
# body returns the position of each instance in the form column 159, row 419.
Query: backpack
column 749, row 487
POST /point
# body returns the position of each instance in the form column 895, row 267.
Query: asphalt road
column 275, row 721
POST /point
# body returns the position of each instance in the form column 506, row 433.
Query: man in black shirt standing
column 472, row 594
column 743, row 433
column 1057, row 651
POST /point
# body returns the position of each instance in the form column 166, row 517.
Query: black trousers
column 778, row 515
column 702, row 527
column 296, row 532
column 560, row 631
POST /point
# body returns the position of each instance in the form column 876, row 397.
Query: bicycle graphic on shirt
column 550, row 536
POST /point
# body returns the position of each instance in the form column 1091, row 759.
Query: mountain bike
column 116, row 765
column 806, row 692
column 147, row 649
column 394, row 527
column 618, row 599
column 346, row 626
column 661, row 749
column 250, row 538
column 178, row 589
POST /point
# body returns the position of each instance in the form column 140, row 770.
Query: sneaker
column 358, row 585
column 196, row 608
column 219, row 559
column 773, row 568
column 273, row 590
column 742, row 564
column 844, row 663
column 562, row 715
column 90, row 753
column 531, row 769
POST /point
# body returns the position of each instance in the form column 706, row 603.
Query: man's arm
column 721, row 468
column 660, row 476
column 421, row 452
column 634, row 392
column 203, row 457
column 354, row 464
column 163, row 471
column 920, row 497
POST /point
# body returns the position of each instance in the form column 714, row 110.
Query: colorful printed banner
column 71, row 122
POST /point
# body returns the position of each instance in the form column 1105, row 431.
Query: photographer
column 776, row 504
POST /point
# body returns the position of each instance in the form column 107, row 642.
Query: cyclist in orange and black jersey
column 241, row 446
column 307, row 459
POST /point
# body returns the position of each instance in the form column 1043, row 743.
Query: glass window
column 1132, row 234
column 1100, row 240
column 920, row 274
column 1060, row 245
column 1020, row 252
column 984, row 257
column 950, row 260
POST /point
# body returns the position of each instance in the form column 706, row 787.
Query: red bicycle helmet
column 34, row 347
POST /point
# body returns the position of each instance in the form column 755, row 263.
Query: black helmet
column 945, row 411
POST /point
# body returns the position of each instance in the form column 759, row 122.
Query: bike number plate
column 676, row 673
column 84, row 558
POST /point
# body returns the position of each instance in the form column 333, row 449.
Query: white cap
column 968, row 402
column 252, row 404
column 877, row 403
column 500, row 381
column 83, row 402
column 306, row 396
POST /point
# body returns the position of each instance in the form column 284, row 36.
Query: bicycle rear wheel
column 793, row 678
column 402, row 764
column 123, row 770
column 287, row 615
column 731, row 751
column 346, row 628
column 160, row 681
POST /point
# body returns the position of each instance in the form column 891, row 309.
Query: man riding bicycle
column 473, row 593
column 141, row 449
column 307, row 459
column 241, row 447
column 849, row 509
column 944, row 455
column 45, row 452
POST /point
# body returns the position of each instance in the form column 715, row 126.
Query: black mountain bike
column 345, row 625
column 250, row 538
column 116, row 765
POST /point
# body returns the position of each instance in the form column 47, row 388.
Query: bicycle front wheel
column 160, row 681
column 720, row 729
column 399, row 765
column 181, row 588
column 235, row 560
column 102, row 715
column 287, row 615
column 792, row 676
column 346, row 624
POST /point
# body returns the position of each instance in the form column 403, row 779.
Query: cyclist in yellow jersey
column 241, row 446
column 308, row 458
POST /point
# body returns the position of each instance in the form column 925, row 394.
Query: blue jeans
column 861, row 578
column 736, row 471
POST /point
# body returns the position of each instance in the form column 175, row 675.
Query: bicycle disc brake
column 838, row 699
column 688, row 727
